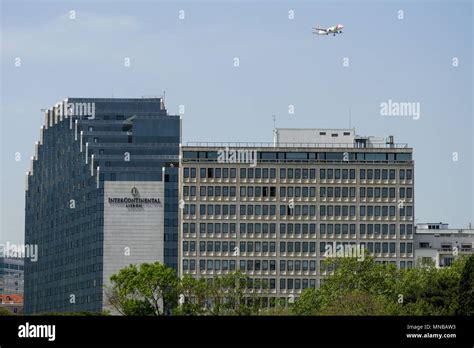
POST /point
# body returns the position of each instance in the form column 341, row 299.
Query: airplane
column 336, row 29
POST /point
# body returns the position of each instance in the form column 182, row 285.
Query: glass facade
column 124, row 140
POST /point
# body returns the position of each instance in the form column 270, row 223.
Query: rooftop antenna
column 274, row 131
column 164, row 95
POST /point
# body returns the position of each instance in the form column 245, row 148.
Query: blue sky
column 281, row 64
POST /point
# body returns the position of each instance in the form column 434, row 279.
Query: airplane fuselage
column 335, row 29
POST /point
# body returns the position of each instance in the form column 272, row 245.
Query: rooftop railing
column 130, row 169
column 131, row 145
column 137, row 157
column 297, row 145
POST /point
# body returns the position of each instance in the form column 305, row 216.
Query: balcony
column 445, row 249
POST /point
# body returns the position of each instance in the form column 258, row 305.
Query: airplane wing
column 320, row 29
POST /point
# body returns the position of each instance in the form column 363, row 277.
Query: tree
column 309, row 303
column 232, row 294
column 194, row 295
column 355, row 288
column 362, row 277
column 430, row 290
column 357, row 303
column 154, row 289
column 466, row 289
column 151, row 289
column 277, row 310
column 369, row 288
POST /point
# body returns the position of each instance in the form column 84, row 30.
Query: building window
column 402, row 174
column 370, row 174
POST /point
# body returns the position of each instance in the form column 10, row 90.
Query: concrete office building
column 272, row 209
column 11, row 276
column 437, row 243
column 102, row 193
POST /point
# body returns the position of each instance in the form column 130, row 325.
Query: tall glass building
column 276, row 211
column 102, row 193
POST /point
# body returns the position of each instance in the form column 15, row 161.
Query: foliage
column 154, row 289
column 466, row 289
column 150, row 289
column 276, row 311
column 5, row 312
column 430, row 290
column 352, row 288
column 229, row 295
column 309, row 303
column 357, row 303
column 370, row 288
column 194, row 293
column 77, row 314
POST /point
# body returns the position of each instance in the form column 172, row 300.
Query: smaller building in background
column 11, row 275
column 12, row 302
column 436, row 242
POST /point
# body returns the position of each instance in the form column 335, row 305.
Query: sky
column 418, row 52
